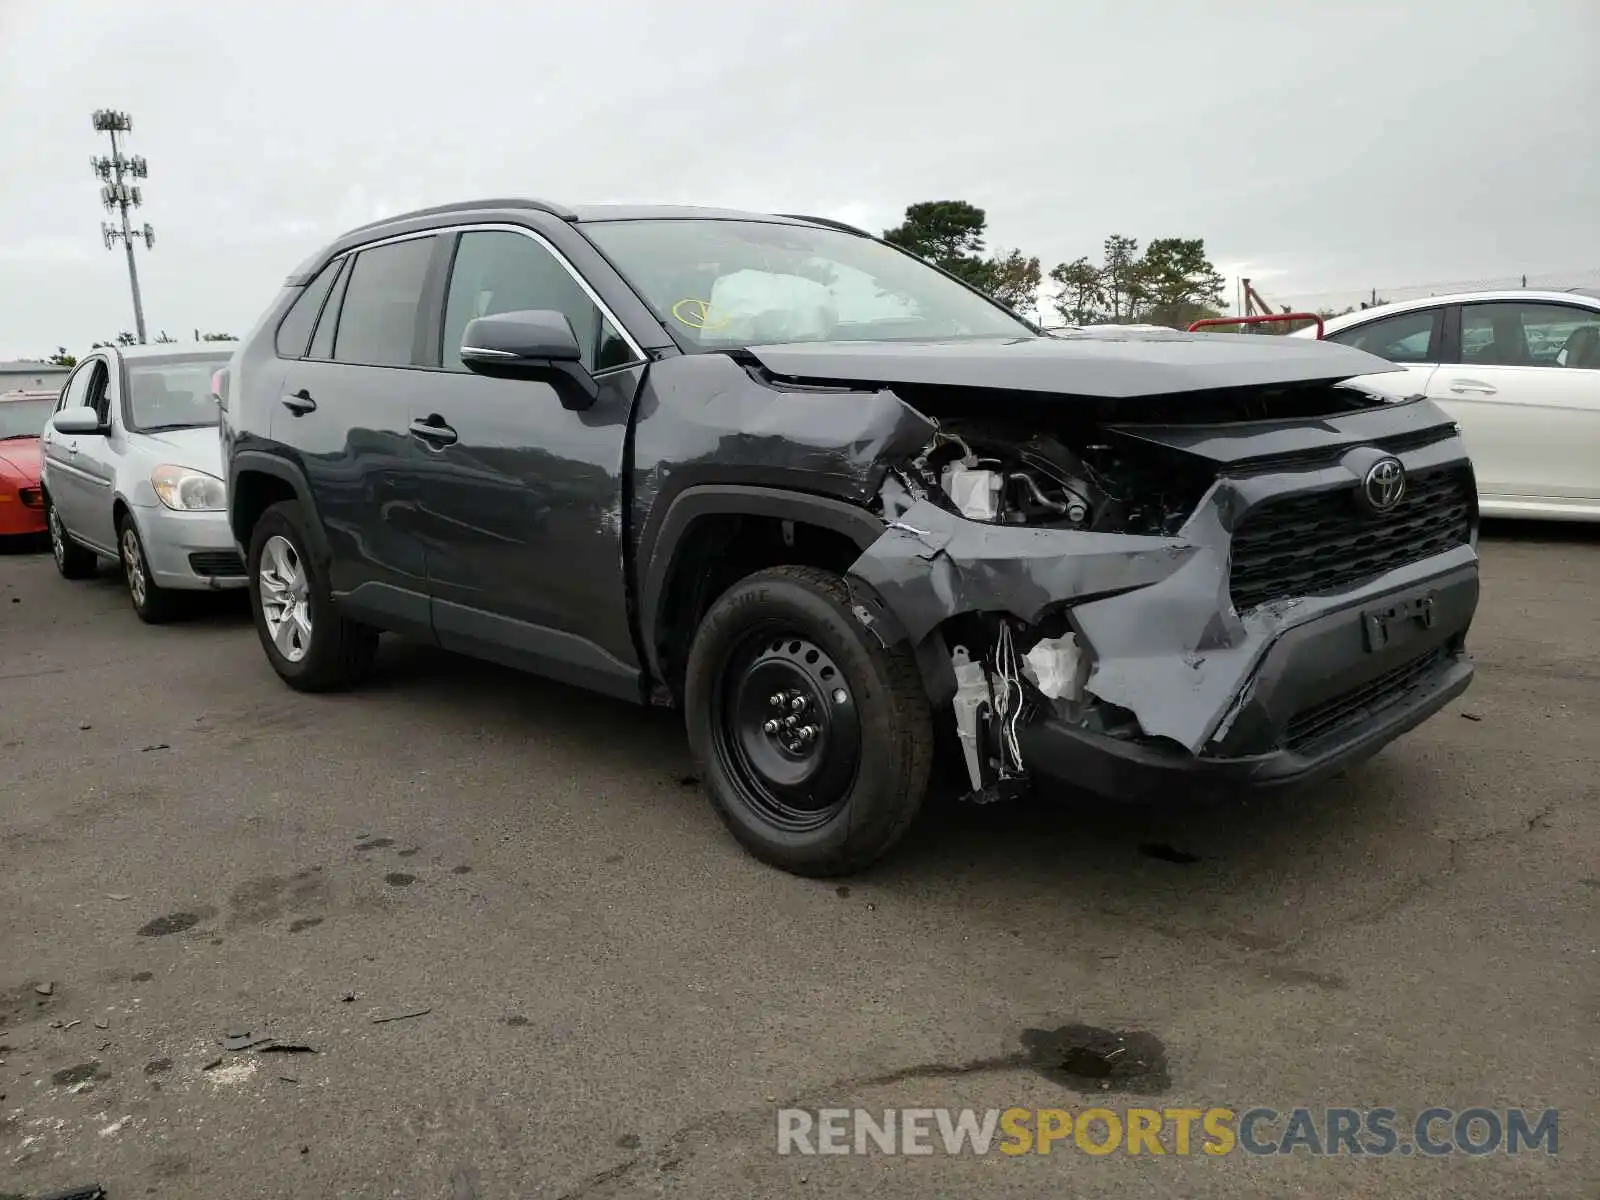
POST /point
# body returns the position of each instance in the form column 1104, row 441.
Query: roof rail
column 555, row 210
column 827, row 221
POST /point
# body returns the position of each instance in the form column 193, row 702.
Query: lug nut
column 776, row 700
column 771, row 727
column 809, row 733
column 797, row 703
column 789, row 722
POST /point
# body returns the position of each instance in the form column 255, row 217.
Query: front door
column 78, row 465
column 520, row 502
column 1413, row 340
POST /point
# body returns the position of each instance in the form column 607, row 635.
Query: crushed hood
column 1098, row 365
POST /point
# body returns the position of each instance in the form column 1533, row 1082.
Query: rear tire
column 832, row 790
column 72, row 560
column 311, row 646
column 154, row 605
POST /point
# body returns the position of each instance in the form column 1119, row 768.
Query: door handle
column 1471, row 387
column 434, row 431
column 300, row 403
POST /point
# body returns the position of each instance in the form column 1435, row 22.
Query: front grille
column 32, row 497
column 216, row 562
column 1323, row 720
column 1312, row 544
column 1306, row 460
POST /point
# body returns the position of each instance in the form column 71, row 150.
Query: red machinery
column 1258, row 312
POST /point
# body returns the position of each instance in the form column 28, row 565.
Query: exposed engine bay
column 1008, row 672
column 1008, row 475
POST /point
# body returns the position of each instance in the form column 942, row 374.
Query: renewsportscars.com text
column 1375, row 1132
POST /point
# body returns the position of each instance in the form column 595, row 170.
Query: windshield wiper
column 11, row 437
column 177, row 425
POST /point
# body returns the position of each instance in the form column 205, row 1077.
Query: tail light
column 219, row 387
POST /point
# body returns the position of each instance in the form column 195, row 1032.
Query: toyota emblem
column 1384, row 485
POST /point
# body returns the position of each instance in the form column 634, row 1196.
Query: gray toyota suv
column 835, row 505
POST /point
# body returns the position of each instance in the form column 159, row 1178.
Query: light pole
column 120, row 197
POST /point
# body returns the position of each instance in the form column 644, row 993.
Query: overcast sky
column 1319, row 147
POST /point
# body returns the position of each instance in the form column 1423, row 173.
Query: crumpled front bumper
column 1319, row 699
column 1285, row 692
column 1141, row 771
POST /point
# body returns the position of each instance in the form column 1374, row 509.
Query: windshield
column 24, row 418
column 723, row 284
column 172, row 393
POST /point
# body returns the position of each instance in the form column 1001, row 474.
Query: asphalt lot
column 620, row 999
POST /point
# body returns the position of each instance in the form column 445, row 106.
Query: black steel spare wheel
column 813, row 738
column 786, row 729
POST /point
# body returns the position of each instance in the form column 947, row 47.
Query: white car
column 132, row 471
column 1520, row 373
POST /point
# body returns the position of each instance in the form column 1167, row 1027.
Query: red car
column 22, row 418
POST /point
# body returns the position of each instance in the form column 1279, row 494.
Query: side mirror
column 530, row 344
column 76, row 421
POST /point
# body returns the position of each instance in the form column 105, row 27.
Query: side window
column 322, row 340
column 496, row 271
column 73, row 395
column 1516, row 334
column 98, row 396
column 378, row 320
column 1405, row 338
column 294, row 331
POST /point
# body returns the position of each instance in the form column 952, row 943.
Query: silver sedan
column 132, row 472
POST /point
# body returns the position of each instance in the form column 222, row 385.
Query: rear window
column 378, row 320
column 294, row 333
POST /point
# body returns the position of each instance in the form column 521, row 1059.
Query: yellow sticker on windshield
column 697, row 314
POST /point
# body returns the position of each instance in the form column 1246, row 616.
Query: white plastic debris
column 1052, row 664
column 972, row 694
column 976, row 494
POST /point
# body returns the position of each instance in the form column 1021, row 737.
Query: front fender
column 663, row 536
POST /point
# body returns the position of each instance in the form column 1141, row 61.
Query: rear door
column 521, row 499
column 1413, row 340
column 343, row 413
column 1523, row 381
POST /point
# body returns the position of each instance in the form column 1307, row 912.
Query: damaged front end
column 1204, row 590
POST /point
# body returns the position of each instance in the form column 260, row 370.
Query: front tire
column 72, row 560
column 154, row 604
column 311, row 646
column 813, row 740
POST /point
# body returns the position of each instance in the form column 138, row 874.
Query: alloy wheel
column 285, row 598
column 133, row 566
column 58, row 538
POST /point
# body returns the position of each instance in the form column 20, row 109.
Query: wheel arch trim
column 664, row 539
column 258, row 462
